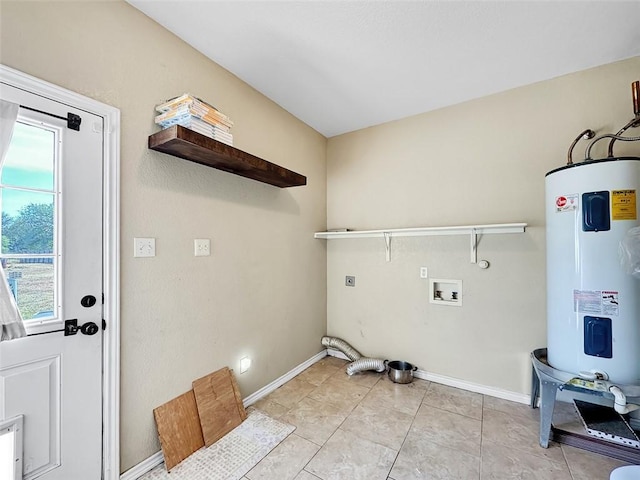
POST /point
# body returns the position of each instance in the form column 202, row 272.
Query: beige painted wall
column 479, row 162
column 262, row 292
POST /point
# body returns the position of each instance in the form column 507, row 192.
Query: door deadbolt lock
column 71, row 328
column 88, row 301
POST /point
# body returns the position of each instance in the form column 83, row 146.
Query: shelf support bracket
column 474, row 246
column 387, row 245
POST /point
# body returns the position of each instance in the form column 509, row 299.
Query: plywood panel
column 179, row 428
column 219, row 404
column 236, row 391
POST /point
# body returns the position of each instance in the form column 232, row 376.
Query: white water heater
column 593, row 304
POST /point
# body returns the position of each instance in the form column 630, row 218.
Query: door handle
column 71, row 328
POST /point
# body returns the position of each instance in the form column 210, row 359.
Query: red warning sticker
column 567, row 203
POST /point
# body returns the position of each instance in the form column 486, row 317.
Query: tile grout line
column 405, row 437
column 409, row 430
column 349, row 414
column 294, row 432
column 481, row 439
column 566, row 461
column 289, row 409
column 338, row 428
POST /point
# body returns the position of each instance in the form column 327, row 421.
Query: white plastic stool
column 630, row 472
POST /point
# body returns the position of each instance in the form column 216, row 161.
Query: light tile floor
column 366, row 427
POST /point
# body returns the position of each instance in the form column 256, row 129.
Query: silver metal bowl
column 400, row 372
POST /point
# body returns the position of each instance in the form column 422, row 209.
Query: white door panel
column 41, row 378
column 54, row 380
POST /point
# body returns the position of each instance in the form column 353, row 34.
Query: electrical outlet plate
column 144, row 247
column 424, row 272
column 202, row 247
column 445, row 292
column 350, row 281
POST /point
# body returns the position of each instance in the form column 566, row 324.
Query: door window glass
column 28, row 202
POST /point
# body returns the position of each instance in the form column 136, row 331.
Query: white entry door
column 51, row 252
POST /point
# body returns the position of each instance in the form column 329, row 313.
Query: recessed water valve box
column 445, row 292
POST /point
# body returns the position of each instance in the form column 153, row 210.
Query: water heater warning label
column 597, row 302
column 623, row 205
column 567, row 203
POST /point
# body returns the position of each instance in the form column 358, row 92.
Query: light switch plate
column 202, row 247
column 144, row 247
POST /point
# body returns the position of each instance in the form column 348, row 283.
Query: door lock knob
column 71, row 328
column 89, row 328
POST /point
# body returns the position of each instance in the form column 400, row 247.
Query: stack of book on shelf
column 196, row 115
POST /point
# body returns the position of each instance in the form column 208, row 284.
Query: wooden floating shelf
column 189, row 145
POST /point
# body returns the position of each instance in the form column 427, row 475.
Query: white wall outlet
column 144, row 247
column 424, row 272
column 202, row 247
column 445, row 292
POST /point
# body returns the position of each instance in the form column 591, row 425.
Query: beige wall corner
column 480, row 162
column 262, row 291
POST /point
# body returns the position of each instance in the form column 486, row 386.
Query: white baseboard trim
column 473, row 387
column 156, row 459
column 143, row 467
column 454, row 382
column 278, row 382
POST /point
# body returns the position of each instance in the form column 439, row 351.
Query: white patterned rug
column 233, row 455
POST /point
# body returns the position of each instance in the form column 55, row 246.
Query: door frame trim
column 111, row 252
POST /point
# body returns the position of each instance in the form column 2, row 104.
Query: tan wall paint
column 262, row 292
column 479, row 162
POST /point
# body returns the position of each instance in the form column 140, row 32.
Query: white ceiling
column 340, row 66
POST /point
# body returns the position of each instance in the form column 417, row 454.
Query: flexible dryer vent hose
column 358, row 362
column 339, row 344
column 366, row 364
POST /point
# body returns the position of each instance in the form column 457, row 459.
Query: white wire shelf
column 472, row 230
